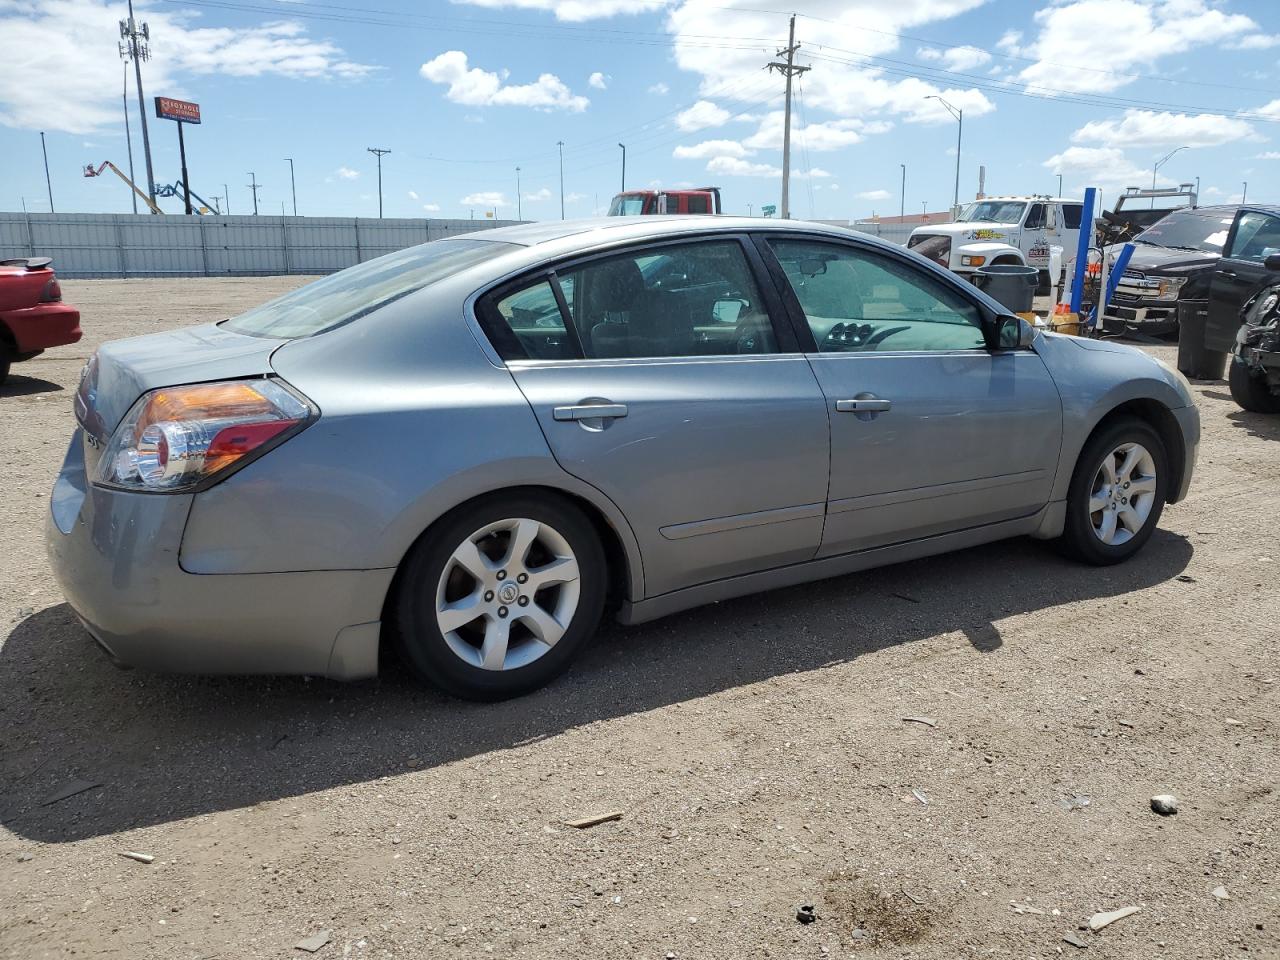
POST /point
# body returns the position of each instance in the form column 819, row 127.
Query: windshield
column 1189, row 230
column 624, row 206
column 994, row 211
column 359, row 290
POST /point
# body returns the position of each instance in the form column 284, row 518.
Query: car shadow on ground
column 165, row 748
column 17, row 385
column 1263, row 425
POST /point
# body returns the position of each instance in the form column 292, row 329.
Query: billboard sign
column 181, row 110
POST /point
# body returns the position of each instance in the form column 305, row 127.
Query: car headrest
column 617, row 285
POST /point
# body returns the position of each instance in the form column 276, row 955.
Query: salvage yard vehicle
column 631, row 203
column 1244, row 308
column 1173, row 261
column 997, row 231
column 470, row 449
column 33, row 317
column 1138, row 208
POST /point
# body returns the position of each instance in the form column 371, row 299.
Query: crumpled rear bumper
column 43, row 326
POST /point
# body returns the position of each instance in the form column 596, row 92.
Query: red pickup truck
column 631, row 203
column 32, row 314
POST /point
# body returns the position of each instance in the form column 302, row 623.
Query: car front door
column 930, row 431
column 1254, row 236
column 677, row 396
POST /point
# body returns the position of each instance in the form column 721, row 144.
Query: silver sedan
column 471, row 449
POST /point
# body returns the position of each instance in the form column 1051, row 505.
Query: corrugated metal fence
column 893, row 232
column 86, row 245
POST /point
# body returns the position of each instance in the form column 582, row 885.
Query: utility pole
column 1059, row 185
column 560, row 145
column 131, row 30
column 124, row 102
column 1244, row 194
column 255, row 187
column 226, row 198
column 788, row 70
column 959, row 115
column 293, row 186
column 49, row 183
column 902, row 201
column 379, row 154
column 519, row 199
column 1197, row 189
column 624, row 166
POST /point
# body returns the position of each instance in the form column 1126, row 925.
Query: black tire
column 6, row 361
column 419, row 638
column 1250, row 391
column 1078, row 538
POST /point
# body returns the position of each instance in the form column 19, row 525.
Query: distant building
column 910, row 220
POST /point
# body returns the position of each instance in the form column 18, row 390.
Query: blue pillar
column 1082, row 248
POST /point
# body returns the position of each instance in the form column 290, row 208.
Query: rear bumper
column 115, row 556
column 43, row 326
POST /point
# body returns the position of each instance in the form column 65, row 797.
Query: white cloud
column 1150, row 128
column 817, row 172
column 346, row 173
column 701, row 115
column 1269, row 155
column 538, row 195
column 598, row 80
column 1107, row 28
column 710, row 148
column 874, row 195
column 736, row 167
column 69, row 46
column 1257, row 41
column 1271, row 109
column 574, row 197
column 956, row 58
column 431, row 207
column 660, row 88
column 825, row 135
column 488, row 199
column 475, row 87
column 413, row 195
column 1106, row 167
column 574, row 10
column 1009, row 41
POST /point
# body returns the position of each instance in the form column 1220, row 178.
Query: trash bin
column 1010, row 283
column 1193, row 359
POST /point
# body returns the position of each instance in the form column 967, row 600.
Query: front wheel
column 497, row 598
column 1251, row 391
column 5, row 362
column 1117, row 493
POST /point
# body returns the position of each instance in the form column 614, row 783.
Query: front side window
column 1035, row 219
column 683, row 300
column 626, row 206
column 857, row 301
column 1257, row 237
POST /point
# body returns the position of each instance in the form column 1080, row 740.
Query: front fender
column 988, row 249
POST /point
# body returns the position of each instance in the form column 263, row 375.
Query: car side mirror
column 1272, row 263
column 1008, row 332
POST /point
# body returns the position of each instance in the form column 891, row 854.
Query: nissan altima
column 469, row 450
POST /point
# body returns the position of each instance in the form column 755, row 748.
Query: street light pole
column 47, row 182
column 624, row 166
column 519, row 199
column 293, row 187
column 128, row 136
column 1244, row 194
column 959, row 115
column 1158, row 164
column 1059, row 184
column 902, row 202
column 560, row 146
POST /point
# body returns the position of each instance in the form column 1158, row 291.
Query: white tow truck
column 1002, row 230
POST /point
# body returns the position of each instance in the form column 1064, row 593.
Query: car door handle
column 863, row 405
column 590, row 411
column 1229, row 273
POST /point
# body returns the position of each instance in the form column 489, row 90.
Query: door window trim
column 800, row 323
column 509, row 350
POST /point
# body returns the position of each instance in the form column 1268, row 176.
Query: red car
column 32, row 314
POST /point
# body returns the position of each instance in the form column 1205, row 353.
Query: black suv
column 1173, row 259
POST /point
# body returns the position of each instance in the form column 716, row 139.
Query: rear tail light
column 52, row 292
column 179, row 439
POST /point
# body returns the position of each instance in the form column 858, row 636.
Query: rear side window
column 533, row 316
column 1257, row 237
column 356, row 291
column 698, row 204
column 1071, row 215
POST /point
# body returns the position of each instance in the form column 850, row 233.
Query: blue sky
column 463, row 92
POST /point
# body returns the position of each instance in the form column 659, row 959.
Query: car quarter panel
column 414, row 420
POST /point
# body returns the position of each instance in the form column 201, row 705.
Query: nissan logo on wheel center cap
column 508, row 593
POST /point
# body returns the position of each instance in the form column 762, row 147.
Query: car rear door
column 679, row 397
column 930, row 431
column 1254, row 235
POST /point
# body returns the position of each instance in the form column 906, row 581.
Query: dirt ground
column 757, row 749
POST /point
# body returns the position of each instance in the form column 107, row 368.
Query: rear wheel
column 1117, row 493
column 1251, row 391
column 498, row 598
column 6, row 361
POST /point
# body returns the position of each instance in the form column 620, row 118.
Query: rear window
column 352, row 293
column 1189, row 230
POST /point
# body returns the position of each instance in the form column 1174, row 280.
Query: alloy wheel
column 1122, row 494
column 507, row 594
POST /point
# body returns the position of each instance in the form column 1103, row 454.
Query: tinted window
column 861, row 301
column 1257, row 237
column 533, row 316
column 359, row 290
column 693, row 299
column 698, row 204
column 1035, row 219
column 1071, row 215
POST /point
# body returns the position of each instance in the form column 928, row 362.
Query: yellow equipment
column 90, row 172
